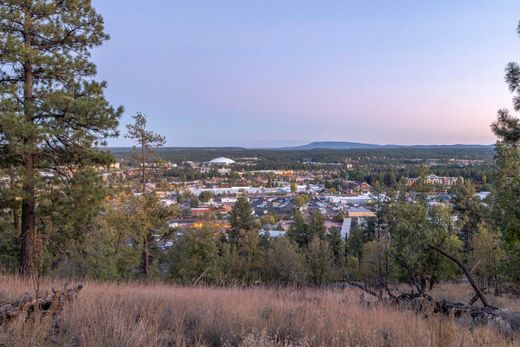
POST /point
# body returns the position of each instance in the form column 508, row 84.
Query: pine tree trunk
column 28, row 231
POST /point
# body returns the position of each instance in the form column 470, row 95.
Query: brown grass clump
column 108, row 314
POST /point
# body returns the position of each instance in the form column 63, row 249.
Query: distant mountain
column 331, row 145
column 358, row 145
column 335, row 145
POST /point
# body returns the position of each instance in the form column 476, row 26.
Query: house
column 197, row 211
column 359, row 212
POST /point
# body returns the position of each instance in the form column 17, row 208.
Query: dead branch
column 468, row 275
column 364, row 288
column 26, row 305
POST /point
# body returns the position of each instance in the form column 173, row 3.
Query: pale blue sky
column 272, row 73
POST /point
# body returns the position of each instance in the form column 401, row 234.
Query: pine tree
column 298, row 230
column 319, row 261
column 52, row 111
column 507, row 185
column 470, row 213
column 316, row 225
column 337, row 246
column 241, row 220
column 146, row 142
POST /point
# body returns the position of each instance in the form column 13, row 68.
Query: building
column 434, row 180
column 222, row 161
column 345, row 228
column 359, row 212
column 349, row 199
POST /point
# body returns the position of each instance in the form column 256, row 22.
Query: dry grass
column 108, row 314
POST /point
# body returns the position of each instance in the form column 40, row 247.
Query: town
column 274, row 195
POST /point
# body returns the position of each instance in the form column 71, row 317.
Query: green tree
column 487, row 256
column 206, row 196
column 195, row 257
column 241, row 219
column 337, row 246
column 338, row 218
column 294, row 187
column 9, row 252
column 319, row 261
column 316, row 225
column 269, row 219
column 355, row 241
column 284, row 264
column 109, row 255
column 298, row 230
column 422, row 186
column 506, row 195
column 470, row 214
column 146, row 142
column 145, row 219
column 68, row 214
column 375, row 263
column 247, row 257
column 300, row 201
column 415, row 226
column 52, row 111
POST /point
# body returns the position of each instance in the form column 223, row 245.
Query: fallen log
column 506, row 321
column 25, row 306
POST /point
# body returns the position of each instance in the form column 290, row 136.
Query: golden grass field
column 109, row 314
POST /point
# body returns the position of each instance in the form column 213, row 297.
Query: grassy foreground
column 107, row 314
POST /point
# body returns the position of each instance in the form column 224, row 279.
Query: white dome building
column 222, row 161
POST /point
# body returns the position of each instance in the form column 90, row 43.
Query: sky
column 267, row 73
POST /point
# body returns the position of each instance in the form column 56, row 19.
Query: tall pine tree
column 53, row 114
column 146, row 141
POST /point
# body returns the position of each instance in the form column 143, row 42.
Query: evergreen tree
column 470, row 213
column 316, row 226
column 145, row 218
column 294, row 187
column 284, row 263
column 487, row 256
column 298, row 231
column 241, row 220
column 355, row 241
column 319, row 259
column 506, row 198
column 195, row 256
column 52, row 111
column 337, row 246
column 146, row 142
column 412, row 228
